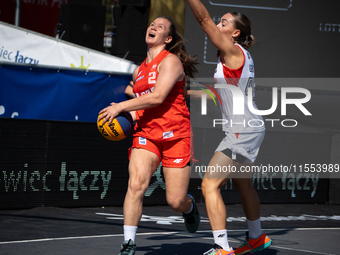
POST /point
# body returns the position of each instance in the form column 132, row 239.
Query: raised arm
column 219, row 39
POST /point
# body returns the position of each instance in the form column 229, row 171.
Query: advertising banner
column 23, row 46
column 58, row 94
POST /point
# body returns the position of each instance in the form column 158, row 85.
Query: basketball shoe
column 253, row 245
column 217, row 250
column 192, row 220
column 127, row 248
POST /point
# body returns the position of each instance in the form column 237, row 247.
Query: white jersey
column 232, row 86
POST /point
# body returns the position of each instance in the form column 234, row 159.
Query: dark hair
column 241, row 22
column 177, row 47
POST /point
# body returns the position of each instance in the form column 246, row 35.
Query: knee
column 175, row 206
column 137, row 187
column 208, row 186
column 175, row 203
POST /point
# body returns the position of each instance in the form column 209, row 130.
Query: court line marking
column 307, row 251
column 169, row 220
column 156, row 233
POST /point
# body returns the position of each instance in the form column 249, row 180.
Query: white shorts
column 246, row 145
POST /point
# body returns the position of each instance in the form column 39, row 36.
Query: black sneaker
column 192, row 220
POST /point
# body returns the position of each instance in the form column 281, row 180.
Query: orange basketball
column 120, row 127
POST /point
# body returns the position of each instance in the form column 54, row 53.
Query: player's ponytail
column 241, row 22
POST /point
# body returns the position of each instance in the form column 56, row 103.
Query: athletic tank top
column 167, row 121
column 238, row 81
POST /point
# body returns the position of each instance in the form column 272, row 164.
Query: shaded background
column 295, row 39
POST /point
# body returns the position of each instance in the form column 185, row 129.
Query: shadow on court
column 295, row 229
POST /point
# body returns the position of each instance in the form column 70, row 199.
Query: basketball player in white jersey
column 244, row 132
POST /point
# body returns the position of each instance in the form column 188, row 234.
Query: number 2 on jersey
column 152, row 78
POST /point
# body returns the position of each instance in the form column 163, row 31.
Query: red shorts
column 174, row 153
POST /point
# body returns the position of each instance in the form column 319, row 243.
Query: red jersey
column 167, row 121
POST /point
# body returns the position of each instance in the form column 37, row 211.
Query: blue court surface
column 298, row 229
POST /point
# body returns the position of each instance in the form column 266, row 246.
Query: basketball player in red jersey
column 240, row 147
column 162, row 130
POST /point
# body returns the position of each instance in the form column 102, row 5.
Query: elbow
column 156, row 101
column 204, row 23
column 203, row 19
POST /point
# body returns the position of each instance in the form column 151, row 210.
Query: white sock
column 130, row 233
column 255, row 230
column 221, row 239
column 192, row 207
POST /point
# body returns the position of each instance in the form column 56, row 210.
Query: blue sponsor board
column 32, row 92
